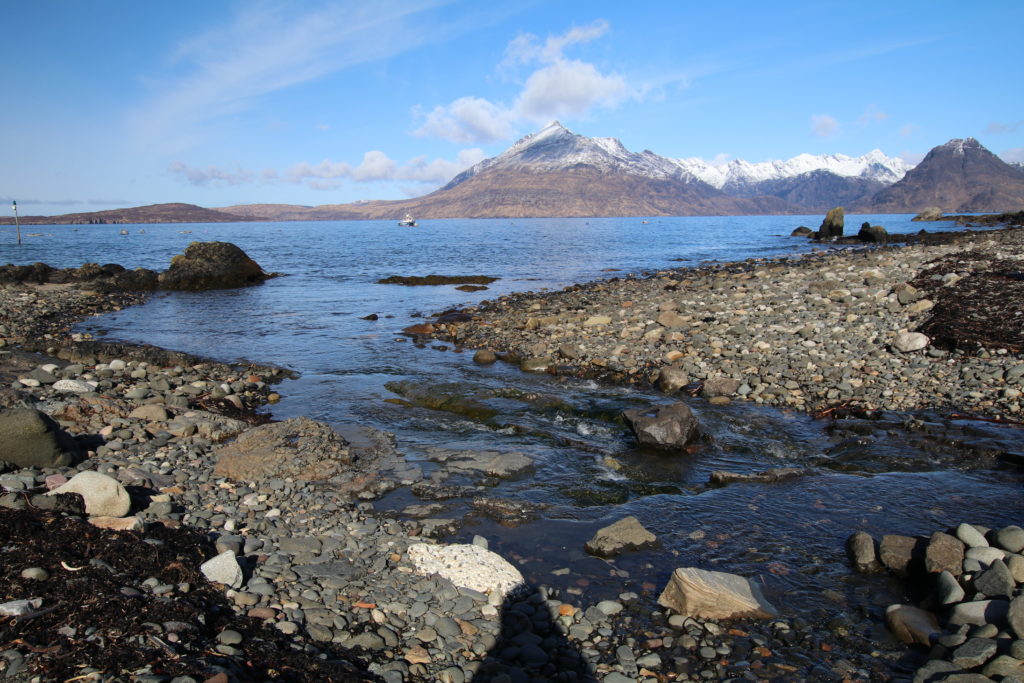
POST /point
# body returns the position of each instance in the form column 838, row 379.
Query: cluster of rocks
column 202, row 266
column 831, row 328
column 970, row 614
column 301, row 550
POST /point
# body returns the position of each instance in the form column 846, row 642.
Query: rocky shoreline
column 832, row 328
column 316, row 564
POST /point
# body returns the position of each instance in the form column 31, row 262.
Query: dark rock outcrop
column 211, row 265
column 30, row 438
column 832, row 226
column 874, row 234
column 669, row 427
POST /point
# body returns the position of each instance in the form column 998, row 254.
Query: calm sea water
column 587, row 471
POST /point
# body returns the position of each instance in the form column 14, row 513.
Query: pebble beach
column 290, row 502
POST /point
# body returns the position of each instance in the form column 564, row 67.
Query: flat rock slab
column 468, row 566
column 615, row 539
column 714, row 595
column 298, row 447
column 492, row 463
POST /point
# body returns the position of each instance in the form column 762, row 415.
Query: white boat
column 407, row 222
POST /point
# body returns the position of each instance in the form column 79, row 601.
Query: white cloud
column 468, row 120
column 269, row 47
column 824, row 126
column 1013, row 156
column 212, row 175
column 997, row 127
column 325, row 169
column 908, row 130
column 527, row 47
column 377, row 166
column 872, row 114
column 568, row 88
column 557, row 88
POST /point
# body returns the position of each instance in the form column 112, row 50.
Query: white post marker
column 14, row 205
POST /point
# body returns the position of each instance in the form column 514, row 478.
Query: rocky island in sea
column 218, row 548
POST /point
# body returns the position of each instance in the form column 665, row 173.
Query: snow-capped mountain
column 743, row 174
column 805, row 182
column 555, row 148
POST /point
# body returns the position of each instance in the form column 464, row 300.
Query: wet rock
column 433, row 280
column 720, row 386
column 714, row 595
column 211, row 265
column 669, row 427
column 31, row 438
column 721, row 478
column 672, row 379
column 104, row 496
column 874, row 234
column 624, row 535
column 900, row 553
column 860, row 548
column 912, row 625
column 802, row 231
column 485, row 357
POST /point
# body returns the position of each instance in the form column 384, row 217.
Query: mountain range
column 557, row 173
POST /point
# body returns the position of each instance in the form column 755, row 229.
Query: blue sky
column 112, row 104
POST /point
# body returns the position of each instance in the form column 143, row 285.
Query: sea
column 588, row 473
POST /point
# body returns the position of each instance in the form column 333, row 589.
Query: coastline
column 810, row 333
column 524, row 327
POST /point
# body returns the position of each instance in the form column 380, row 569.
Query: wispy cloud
column 908, row 130
column 212, row 175
column 1013, row 156
column 824, row 126
column 376, row 166
column 872, row 114
column 557, row 87
column 997, row 127
column 267, row 48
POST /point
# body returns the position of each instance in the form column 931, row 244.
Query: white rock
column 223, row 569
column 910, row 341
column 117, row 365
column 73, row 386
column 468, row 566
column 104, row 496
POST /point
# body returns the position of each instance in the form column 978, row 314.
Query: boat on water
column 407, row 222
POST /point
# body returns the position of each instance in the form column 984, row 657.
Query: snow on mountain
column 738, row 173
column 556, row 148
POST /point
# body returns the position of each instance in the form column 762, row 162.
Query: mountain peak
column 958, row 145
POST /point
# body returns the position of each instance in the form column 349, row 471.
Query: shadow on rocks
column 533, row 643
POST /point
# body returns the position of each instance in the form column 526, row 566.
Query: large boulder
column 211, row 265
column 468, row 566
column 703, row 594
column 29, row 438
column 615, row 539
column 300, row 448
column 874, row 234
column 104, row 496
column 669, row 427
column 932, row 213
column 832, row 226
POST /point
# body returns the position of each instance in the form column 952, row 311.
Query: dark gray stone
column 30, row 438
column 669, row 427
column 996, row 581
